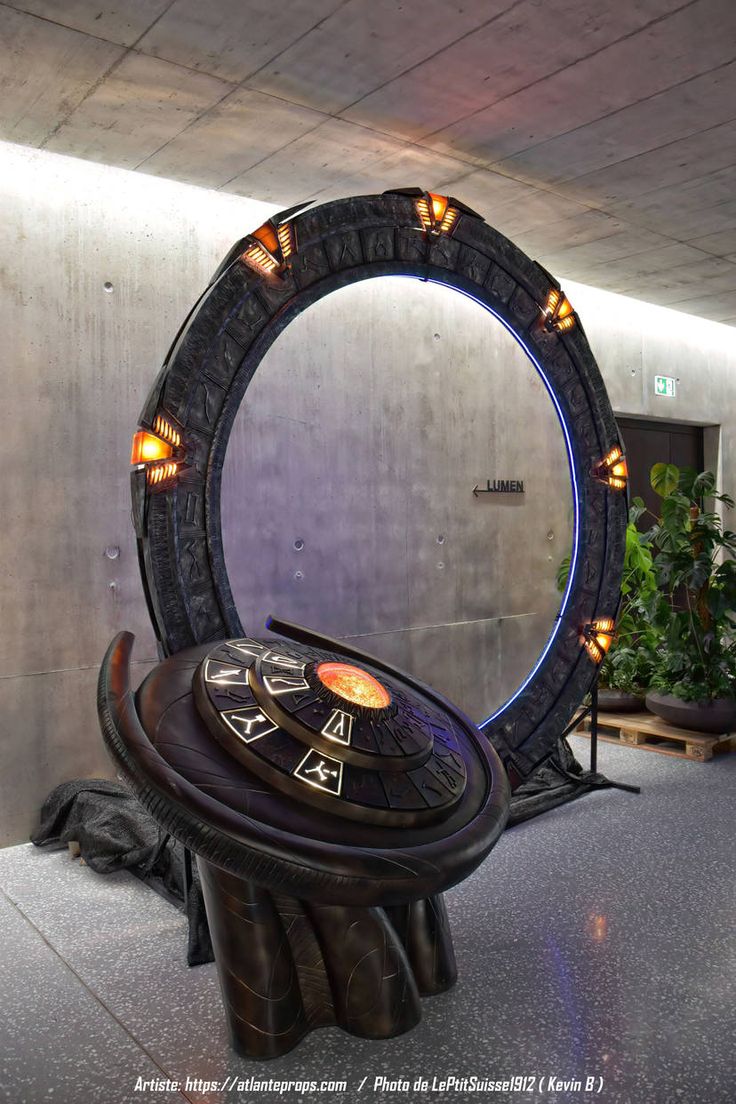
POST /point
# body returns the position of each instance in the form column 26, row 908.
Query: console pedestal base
column 287, row 967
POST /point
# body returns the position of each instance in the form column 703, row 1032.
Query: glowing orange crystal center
column 354, row 685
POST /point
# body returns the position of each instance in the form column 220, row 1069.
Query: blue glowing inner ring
column 576, row 505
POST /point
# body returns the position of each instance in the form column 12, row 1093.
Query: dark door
column 649, row 443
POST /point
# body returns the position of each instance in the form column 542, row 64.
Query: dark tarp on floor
column 561, row 779
column 115, row 832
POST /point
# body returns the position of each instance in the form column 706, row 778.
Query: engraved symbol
column 441, row 772
column 242, row 696
column 431, row 789
column 190, row 509
column 251, row 315
column 284, row 684
column 279, row 660
column 247, row 647
column 347, row 253
column 404, row 736
column 224, row 674
column 208, row 404
column 311, row 260
column 450, row 759
column 321, row 772
column 339, row 726
column 398, row 789
column 194, row 569
column 249, row 724
column 445, row 738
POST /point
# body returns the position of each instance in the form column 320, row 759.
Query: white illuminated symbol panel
column 285, row 661
column 339, row 726
column 284, row 684
column 248, row 647
column 224, row 674
column 320, row 771
column 248, row 724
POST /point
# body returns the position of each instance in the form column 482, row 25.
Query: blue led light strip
column 576, row 498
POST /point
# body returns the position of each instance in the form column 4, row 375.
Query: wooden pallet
column 643, row 730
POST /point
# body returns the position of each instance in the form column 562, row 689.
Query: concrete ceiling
column 599, row 134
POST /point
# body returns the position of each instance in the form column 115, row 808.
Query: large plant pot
column 717, row 715
column 618, row 701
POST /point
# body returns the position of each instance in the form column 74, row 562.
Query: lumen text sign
column 500, row 486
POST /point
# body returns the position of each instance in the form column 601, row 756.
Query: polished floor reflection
column 596, row 942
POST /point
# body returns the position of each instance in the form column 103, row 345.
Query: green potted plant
column 693, row 682
column 626, row 671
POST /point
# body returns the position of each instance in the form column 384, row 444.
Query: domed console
column 330, row 734
column 330, row 801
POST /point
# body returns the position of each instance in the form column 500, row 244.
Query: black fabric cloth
column 561, row 779
column 115, row 832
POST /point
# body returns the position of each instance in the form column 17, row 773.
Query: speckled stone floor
column 597, row 941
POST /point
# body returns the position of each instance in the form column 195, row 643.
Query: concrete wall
column 634, row 341
column 348, row 488
column 77, row 360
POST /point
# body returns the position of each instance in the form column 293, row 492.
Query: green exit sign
column 664, row 385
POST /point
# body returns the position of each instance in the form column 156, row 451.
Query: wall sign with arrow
column 500, row 486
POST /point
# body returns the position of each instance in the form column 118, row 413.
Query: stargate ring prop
column 331, row 799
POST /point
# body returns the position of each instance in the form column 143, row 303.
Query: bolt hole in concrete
column 108, row 287
column 363, row 432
